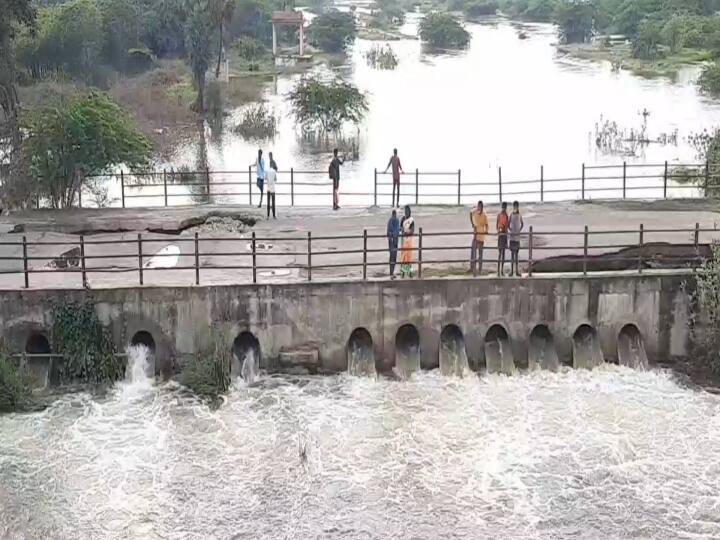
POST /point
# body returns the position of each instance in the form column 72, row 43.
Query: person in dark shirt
column 393, row 232
column 335, row 176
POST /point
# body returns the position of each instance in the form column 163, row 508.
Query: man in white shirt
column 270, row 179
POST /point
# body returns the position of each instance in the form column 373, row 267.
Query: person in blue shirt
column 393, row 232
column 260, row 168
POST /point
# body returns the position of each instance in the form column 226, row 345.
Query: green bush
column 444, row 31
column 208, row 373
column 15, row 389
column 332, row 31
column 710, row 79
column 647, row 42
column 139, row 60
column 258, row 122
column 316, row 103
column 480, row 8
column 86, row 345
column 707, row 301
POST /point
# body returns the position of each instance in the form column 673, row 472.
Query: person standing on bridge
column 516, row 226
column 479, row 222
column 334, row 172
column 501, row 225
column 396, row 171
column 407, row 227
column 393, row 232
column 260, row 169
column 271, row 178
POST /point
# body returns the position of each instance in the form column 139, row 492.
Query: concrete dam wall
column 496, row 324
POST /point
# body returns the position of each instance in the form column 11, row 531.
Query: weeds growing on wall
column 15, row 389
column 87, row 348
column 705, row 320
column 208, row 373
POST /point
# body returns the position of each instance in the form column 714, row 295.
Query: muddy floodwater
column 608, row 453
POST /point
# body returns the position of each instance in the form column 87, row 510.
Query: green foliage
column 707, row 300
column 710, row 79
column 531, row 10
column 575, row 20
column 139, row 60
column 207, row 374
column 328, row 105
column 444, row 31
column 214, row 101
column 87, row 348
column 480, row 8
column 646, row 43
column 332, row 31
column 123, row 24
column 15, row 388
column 251, row 50
column 198, row 43
column 258, row 122
column 380, row 57
column 85, row 135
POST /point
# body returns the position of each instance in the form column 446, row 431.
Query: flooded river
column 611, row 453
column 504, row 102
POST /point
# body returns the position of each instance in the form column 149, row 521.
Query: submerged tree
column 86, row 135
column 327, row 104
column 444, row 31
column 575, row 19
column 332, row 31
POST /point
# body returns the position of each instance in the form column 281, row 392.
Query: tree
column 86, row 135
column 480, row 8
column 222, row 12
column 332, row 31
column 443, row 31
column 198, row 43
column 328, row 105
column 122, row 25
column 575, row 19
column 646, row 43
column 710, row 79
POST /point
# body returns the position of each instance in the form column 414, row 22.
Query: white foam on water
column 138, row 371
column 249, row 369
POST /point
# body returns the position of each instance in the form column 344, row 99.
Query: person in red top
column 502, row 223
column 396, row 171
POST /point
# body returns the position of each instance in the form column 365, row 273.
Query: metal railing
column 623, row 180
column 237, row 260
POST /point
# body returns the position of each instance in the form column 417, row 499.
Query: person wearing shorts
column 260, row 170
column 515, row 227
column 397, row 170
column 501, row 225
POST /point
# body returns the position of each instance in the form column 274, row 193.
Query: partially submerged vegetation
column 705, row 322
column 443, row 31
column 258, row 122
column 332, row 31
column 327, row 105
column 207, row 373
column 381, row 57
column 15, row 385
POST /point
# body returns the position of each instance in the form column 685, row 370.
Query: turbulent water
column 610, row 453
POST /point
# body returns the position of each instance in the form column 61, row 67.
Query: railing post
column 530, row 252
column 309, row 261
column 473, row 254
column 420, row 253
column 254, row 258
column 542, row 183
column 707, row 176
column 364, row 254
column 640, row 250
column 292, row 186
column 583, row 182
column 697, row 246
column 197, row 260
column 375, row 182
column 624, row 178
column 80, row 195
column 207, row 183
column 417, row 186
column 25, row 262
column 140, row 258
column 122, row 188
column 82, row 260
column 250, row 185
column 585, row 251
column 165, row 186
column 500, row 183
column 459, row 187
column 665, row 178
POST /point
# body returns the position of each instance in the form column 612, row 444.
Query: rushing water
column 503, row 102
column 609, row 453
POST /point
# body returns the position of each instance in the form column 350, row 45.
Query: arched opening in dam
column 586, row 348
column 37, row 344
column 407, row 349
column 246, row 350
column 498, row 353
column 144, row 338
column 361, row 355
column 541, row 349
column 141, row 363
column 452, row 357
column 631, row 348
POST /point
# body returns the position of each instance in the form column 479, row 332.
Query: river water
column 504, row 102
column 611, row 453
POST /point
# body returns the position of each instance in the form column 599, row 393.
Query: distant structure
column 288, row 18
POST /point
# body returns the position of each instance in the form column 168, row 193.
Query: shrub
column 706, row 298
column 15, row 391
column 208, row 373
column 327, row 105
column 444, row 31
column 710, row 79
column 258, row 122
column 139, row 60
column 480, row 8
column 646, row 43
column 332, row 31
column 380, row 57
column 214, row 99
column 87, row 348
